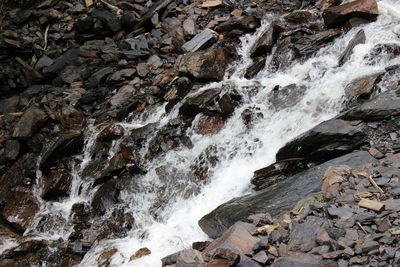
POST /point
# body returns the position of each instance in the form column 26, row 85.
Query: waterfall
column 170, row 226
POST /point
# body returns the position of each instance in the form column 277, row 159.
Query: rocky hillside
column 71, row 68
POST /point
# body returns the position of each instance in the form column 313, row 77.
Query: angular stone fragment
column 201, row 41
column 20, row 210
column 32, row 120
column 109, row 19
column 209, row 64
column 266, row 41
column 371, row 204
column 359, row 38
column 238, row 238
column 338, row 15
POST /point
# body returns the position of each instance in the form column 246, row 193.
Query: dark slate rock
column 66, row 145
column 302, row 236
column 201, row 41
column 31, row 122
column 338, row 15
column 255, row 67
column 383, row 106
column 278, row 199
column 62, row 61
column 359, row 38
column 266, row 41
column 109, row 19
column 246, row 24
column 327, row 140
column 11, row 149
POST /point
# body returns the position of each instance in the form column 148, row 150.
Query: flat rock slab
column 327, row 140
column 338, row 15
column 383, row 106
column 201, row 41
column 278, row 199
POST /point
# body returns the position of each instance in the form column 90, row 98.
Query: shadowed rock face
column 325, row 141
column 277, row 199
column 338, row 15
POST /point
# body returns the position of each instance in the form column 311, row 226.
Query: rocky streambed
column 126, row 125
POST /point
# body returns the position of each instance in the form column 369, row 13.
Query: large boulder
column 327, row 140
column 338, row 15
column 209, row 64
column 276, row 199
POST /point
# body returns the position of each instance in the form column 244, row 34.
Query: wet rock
column 207, row 125
column 140, row 254
column 266, row 41
column 211, row 101
column 361, row 88
column 300, row 16
column 111, row 132
column 287, row 96
column 283, row 56
column 11, row 149
column 24, row 167
column 66, row 145
column 31, row 122
column 106, row 196
column 201, row 41
column 57, row 184
column 382, row 52
column 122, row 96
column 245, row 24
column 354, row 22
column 359, row 38
column 383, row 106
column 272, row 174
column 20, row 210
column 208, row 65
column 338, row 15
column 276, row 199
column 309, row 44
column 108, row 19
column 255, row 67
column 237, row 238
column 325, row 141
column 177, row 92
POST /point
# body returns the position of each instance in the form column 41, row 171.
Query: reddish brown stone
column 338, row 15
column 20, row 210
column 207, row 125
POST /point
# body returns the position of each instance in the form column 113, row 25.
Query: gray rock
column 299, row 260
column 278, row 199
column 327, row 140
column 202, row 40
column 261, row 257
column 359, row 38
column 31, row 122
column 62, row 61
column 303, row 235
column 43, row 62
column 383, row 106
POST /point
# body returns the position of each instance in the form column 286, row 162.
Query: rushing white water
column 240, row 150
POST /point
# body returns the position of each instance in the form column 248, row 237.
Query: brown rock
column 375, row 153
column 212, row 3
column 122, row 74
column 371, row 204
column 209, row 64
column 32, row 120
column 107, row 254
column 237, row 237
column 20, row 210
column 332, row 178
column 338, row 15
column 361, row 86
column 140, row 253
column 207, row 125
column 110, row 132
